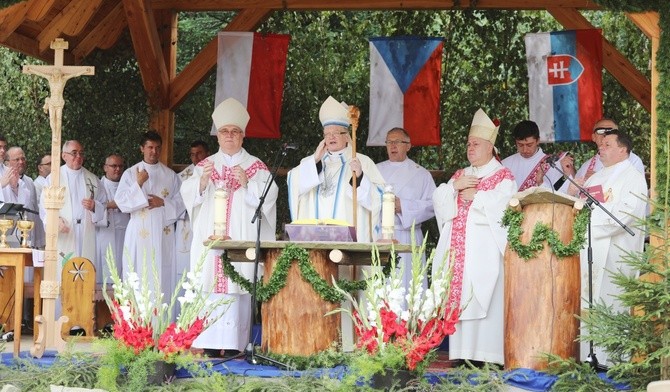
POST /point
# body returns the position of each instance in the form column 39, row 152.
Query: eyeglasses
column 74, row 153
column 3, row 147
column 21, row 159
column 602, row 131
column 45, row 164
column 115, row 166
column 395, row 142
column 230, row 132
column 329, row 134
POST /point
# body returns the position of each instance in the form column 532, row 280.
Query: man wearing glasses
column 594, row 164
column 244, row 177
column 321, row 186
column 84, row 206
column 413, row 187
column 114, row 231
column 43, row 170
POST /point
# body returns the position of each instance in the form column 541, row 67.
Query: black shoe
column 108, row 329
column 77, row 331
column 7, row 337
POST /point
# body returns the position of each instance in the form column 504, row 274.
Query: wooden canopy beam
column 616, row 63
column 39, row 9
column 308, row 5
column 162, row 120
column 112, row 22
column 148, row 52
column 11, row 18
column 647, row 22
column 69, row 21
column 202, row 64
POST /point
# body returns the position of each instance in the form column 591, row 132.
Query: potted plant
column 146, row 343
column 399, row 328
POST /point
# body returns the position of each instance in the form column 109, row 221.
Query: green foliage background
column 484, row 66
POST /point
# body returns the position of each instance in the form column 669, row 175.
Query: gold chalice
column 25, row 226
column 5, row 225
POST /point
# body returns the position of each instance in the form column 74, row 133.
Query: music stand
column 11, row 209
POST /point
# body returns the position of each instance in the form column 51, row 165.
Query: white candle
column 388, row 213
column 220, row 211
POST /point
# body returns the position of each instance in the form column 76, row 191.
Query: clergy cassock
column 112, row 233
column 525, row 169
column 150, row 238
column 231, row 332
column 623, row 186
column 472, row 237
column 414, row 187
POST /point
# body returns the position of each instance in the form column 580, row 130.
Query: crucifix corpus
column 57, row 75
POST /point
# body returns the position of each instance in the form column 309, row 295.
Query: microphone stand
column 249, row 353
column 591, row 358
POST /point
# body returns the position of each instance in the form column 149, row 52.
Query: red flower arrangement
column 400, row 326
column 142, row 321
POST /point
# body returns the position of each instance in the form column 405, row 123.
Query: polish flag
column 565, row 83
column 405, row 76
column 250, row 68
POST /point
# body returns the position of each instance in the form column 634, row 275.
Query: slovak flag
column 251, row 68
column 405, row 75
column 565, row 83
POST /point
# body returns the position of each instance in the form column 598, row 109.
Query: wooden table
column 293, row 320
column 18, row 258
column 346, row 253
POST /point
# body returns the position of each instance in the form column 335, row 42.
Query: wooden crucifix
column 57, row 75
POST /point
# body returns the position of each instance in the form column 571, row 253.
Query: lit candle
column 220, row 212
column 388, row 213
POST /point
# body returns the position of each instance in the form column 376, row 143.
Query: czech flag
column 565, row 83
column 251, row 68
column 405, row 75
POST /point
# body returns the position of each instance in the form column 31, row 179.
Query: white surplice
column 150, row 238
column 472, row 232
column 625, row 190
column 40, row 182
column 414, row 187
column 25, row 195
column 232, row 330
column 112, row 233
column 522, row 167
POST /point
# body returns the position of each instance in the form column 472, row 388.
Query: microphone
column 552, row 159
column 290, row 146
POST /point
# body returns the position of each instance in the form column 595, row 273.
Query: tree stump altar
column 293, row 320
column 542, row 293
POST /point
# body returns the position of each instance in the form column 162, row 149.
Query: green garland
column 277, row 281
column 542, row 232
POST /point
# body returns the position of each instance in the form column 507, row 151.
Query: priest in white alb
column 114, row 231
column 413, row 187
column 530, row 165
column 244, row 177
column 469, row 209
column 149, row 192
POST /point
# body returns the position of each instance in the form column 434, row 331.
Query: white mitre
column 334, row 113
column 483, row 128
column 230, row 112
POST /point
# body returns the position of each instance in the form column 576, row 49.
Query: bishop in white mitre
column 244, row 177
